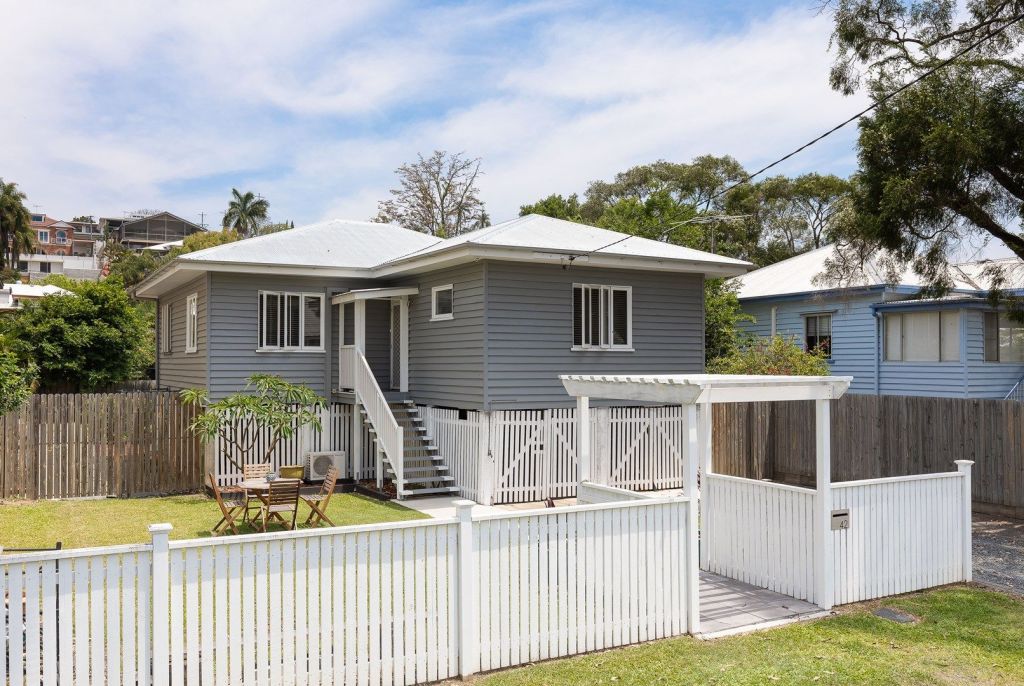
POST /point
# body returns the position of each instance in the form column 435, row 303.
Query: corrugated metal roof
column 797, row 275
column 335, row 243
column 26, row 290
column 540, row 233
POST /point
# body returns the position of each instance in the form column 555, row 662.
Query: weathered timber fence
column 98, row 444
column 880, row 436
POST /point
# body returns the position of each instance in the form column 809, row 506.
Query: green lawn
column 81, row 523
column 965, row 636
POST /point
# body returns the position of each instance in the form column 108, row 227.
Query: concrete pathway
column 729, row 607
column 999, row 553
column 443, row 507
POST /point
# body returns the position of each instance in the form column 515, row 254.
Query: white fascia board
column 470, row 252
column 372, row 293
column 154, row 286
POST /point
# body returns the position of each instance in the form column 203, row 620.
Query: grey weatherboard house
column 397, row 323
column 885, row 335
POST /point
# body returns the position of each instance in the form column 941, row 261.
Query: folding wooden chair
column 318, row 502
column 229, row 509
column 253, row 502
column 283, row 497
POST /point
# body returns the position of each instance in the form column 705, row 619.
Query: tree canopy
column 772, row 356
column 16, row 379
column 86, row 341
column 436, row 195
column 16, row 235
column 942, row 162
column 132, row 267
column 246, row 213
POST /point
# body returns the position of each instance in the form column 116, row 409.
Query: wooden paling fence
column 400, row 603
column 880, row 436
column 99, row 444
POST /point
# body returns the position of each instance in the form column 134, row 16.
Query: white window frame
column 192, row 323
column 165, row 328
column 887, row 319
column 434, row 316
column 1000, row 318
column 606, row 323
column 43, row 236
column 283, row 317
column 831, row 332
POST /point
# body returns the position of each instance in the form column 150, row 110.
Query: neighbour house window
column 44, row 236
column 165, row 328
column 290, row 321
column 602, row 317
column 192, row 323
column 443, row 302
column 922, row 336
column 818, row 333
column 44, row 267
column 62, row 237
column 1004, row 339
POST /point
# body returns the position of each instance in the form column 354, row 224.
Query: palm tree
column 16, row 235
column 246, row 213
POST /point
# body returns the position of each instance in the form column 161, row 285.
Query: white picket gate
column 400, row 603
column 462, row 444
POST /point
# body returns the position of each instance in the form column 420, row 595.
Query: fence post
column 469, row 657
column 964, row 467
column 691, row 452
column 583, row 456
column 823, row 563
column 704, row 437
column 160, row 577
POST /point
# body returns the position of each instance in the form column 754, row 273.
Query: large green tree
column 246, row 213
column 16, row 235
column 90, row 339
column 943, row 161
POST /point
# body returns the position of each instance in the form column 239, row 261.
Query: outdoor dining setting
column 263, row 497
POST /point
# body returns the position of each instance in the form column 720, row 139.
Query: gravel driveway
column 999, row 552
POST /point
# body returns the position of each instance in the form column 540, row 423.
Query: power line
column 855, row 117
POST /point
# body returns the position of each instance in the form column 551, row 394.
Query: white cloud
column 315, row 104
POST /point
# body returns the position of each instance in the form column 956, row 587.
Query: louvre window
column 192, row 323
column 165, row 328
column 922, row 336
column 290, row 321
column 602, row 317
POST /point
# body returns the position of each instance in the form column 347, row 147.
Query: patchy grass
column 966, row 635
column 82, row 523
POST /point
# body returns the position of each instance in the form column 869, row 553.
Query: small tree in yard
column 268, row 403
column 16, row 379
column 772, row 356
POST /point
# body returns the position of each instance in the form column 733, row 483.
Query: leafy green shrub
column 776, row 356
column 16, row 379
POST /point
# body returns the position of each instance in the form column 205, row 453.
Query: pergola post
column 583, row 456
column 823, row 564
column 704, row 436
column 691, row 454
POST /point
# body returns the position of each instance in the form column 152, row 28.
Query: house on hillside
column 891, row 341
column 148, row 229
column 477, row 324
column 61, row 247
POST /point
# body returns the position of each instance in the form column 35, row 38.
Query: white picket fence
column 760, row 533
column 400, row 603
column 906, row 533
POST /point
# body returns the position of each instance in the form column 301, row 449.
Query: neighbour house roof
column 370, row 250
column 797, row 276
column 688, row 389
column 13, row 292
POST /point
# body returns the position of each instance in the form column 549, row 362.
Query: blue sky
column 169, row 105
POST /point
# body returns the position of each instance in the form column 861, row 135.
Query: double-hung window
column 602, row 317
column 192, row 323
column 818, row 333
column 291, row 321
column 1004, row 339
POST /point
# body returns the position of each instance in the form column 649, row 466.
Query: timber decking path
column 730, row 607
column 999, row 553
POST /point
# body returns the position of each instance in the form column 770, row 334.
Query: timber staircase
column 423, row 470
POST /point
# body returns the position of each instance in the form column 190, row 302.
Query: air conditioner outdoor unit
column 317, row 464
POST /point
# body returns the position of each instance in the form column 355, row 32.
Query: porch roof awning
column 687, row 389
column 371, row 293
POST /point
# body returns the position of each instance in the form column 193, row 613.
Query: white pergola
column 704, row 390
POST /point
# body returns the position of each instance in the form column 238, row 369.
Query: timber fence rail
column 99, row 444
column 878, row 437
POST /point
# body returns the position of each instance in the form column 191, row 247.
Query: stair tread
column 427, row 479
column 430, row 491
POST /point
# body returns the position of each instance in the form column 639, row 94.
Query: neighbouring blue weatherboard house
column 887, row 337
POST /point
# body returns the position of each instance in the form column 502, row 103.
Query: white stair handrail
column 390, row 434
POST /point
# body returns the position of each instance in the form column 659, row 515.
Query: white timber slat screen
column 906, row 533
column 760, row 533
column 380, row 604
column 459, row 443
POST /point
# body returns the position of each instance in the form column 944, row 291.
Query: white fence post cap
column 964, row 463
column 159, row 528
